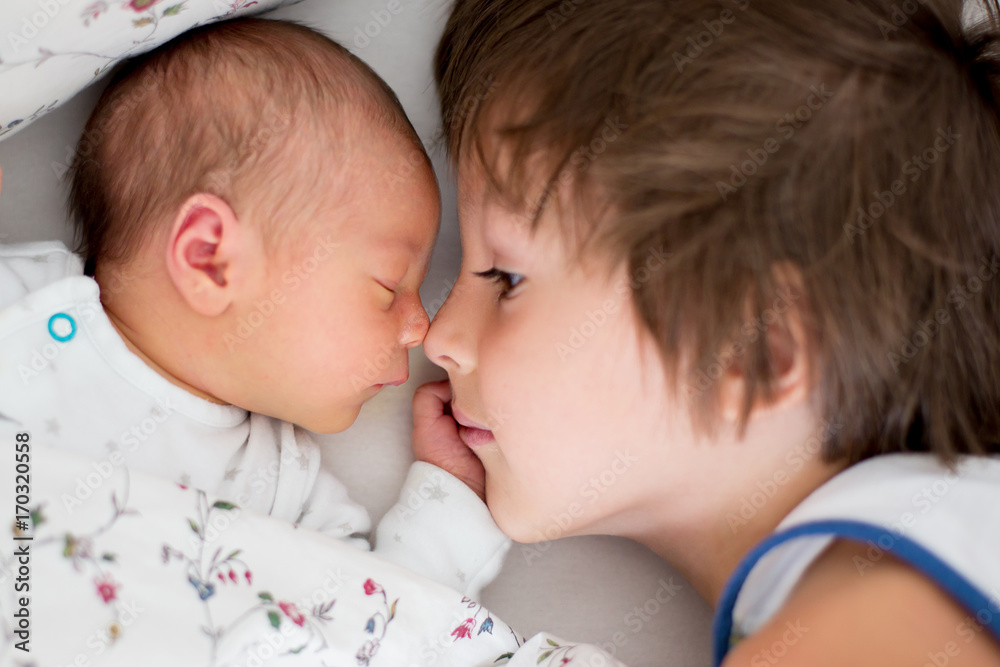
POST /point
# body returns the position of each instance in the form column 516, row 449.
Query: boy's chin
column 527, row 522
column 510, row 520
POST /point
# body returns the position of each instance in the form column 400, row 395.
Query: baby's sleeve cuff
column 442, row 530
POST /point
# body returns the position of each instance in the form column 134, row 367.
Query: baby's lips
column 400, row 378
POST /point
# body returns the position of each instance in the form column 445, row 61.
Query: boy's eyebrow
column 503, row 232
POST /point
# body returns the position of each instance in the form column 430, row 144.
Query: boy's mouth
column 475, row 437
column 472, row 433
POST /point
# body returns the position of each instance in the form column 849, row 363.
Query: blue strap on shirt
column 903, row 548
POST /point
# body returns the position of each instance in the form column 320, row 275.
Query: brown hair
column 220, row 110
column 857, row 141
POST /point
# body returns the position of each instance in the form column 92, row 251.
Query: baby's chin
column 334, row 420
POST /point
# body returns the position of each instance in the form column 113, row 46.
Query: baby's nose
column 415, row 326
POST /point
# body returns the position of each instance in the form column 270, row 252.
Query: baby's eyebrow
column 406, row 250
column 411, row 244
column 398, row 243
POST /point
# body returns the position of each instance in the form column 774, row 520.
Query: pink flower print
column 371, row 588
column 91, row 12
column 292, row 612
column 141, row 5
column 465, row 629
column 236, row 5
column 248, row 576
column 107, row 588
column 232, row 577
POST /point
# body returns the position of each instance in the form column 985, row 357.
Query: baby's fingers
column 429, row 401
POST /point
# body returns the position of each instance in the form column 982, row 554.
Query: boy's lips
column 472, row 433
column 475, row 437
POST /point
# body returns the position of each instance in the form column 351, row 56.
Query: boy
column 800, row 407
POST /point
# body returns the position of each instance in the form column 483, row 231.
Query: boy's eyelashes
column 507, row 281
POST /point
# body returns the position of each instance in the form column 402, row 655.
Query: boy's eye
column 507, row 281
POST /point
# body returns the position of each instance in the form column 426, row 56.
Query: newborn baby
column 256, row 216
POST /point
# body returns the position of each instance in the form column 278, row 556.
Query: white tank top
column 946, row 524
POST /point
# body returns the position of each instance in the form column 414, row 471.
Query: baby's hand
column 436, row 441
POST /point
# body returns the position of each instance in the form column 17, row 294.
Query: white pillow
column 53, row 49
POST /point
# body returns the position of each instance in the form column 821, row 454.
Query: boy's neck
column 707, row 555
column 707, row 528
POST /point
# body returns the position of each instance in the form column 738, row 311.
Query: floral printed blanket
column 100, row 565
column 52, row 49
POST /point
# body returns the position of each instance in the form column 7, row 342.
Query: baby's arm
column 549, row 651
column 889, row 615
column 442, row 530
column 439, row 528
column 436, row 441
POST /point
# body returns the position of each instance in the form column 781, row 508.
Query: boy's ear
column 205, row 245
column 788, row 346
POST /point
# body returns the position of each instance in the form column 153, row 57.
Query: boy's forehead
column 474, row 189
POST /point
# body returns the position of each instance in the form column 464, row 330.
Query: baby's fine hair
column 251, row 110
column 835, row 159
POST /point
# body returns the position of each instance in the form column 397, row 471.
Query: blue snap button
column 62, row 327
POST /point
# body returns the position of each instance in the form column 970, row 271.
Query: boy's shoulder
column 28, row 267
column 890, row 615
column 890, row 562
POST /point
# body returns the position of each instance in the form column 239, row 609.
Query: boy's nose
column 449, row 342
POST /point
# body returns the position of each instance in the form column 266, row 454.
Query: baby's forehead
column 378, row 187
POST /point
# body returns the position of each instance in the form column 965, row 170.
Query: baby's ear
column 206, row 241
